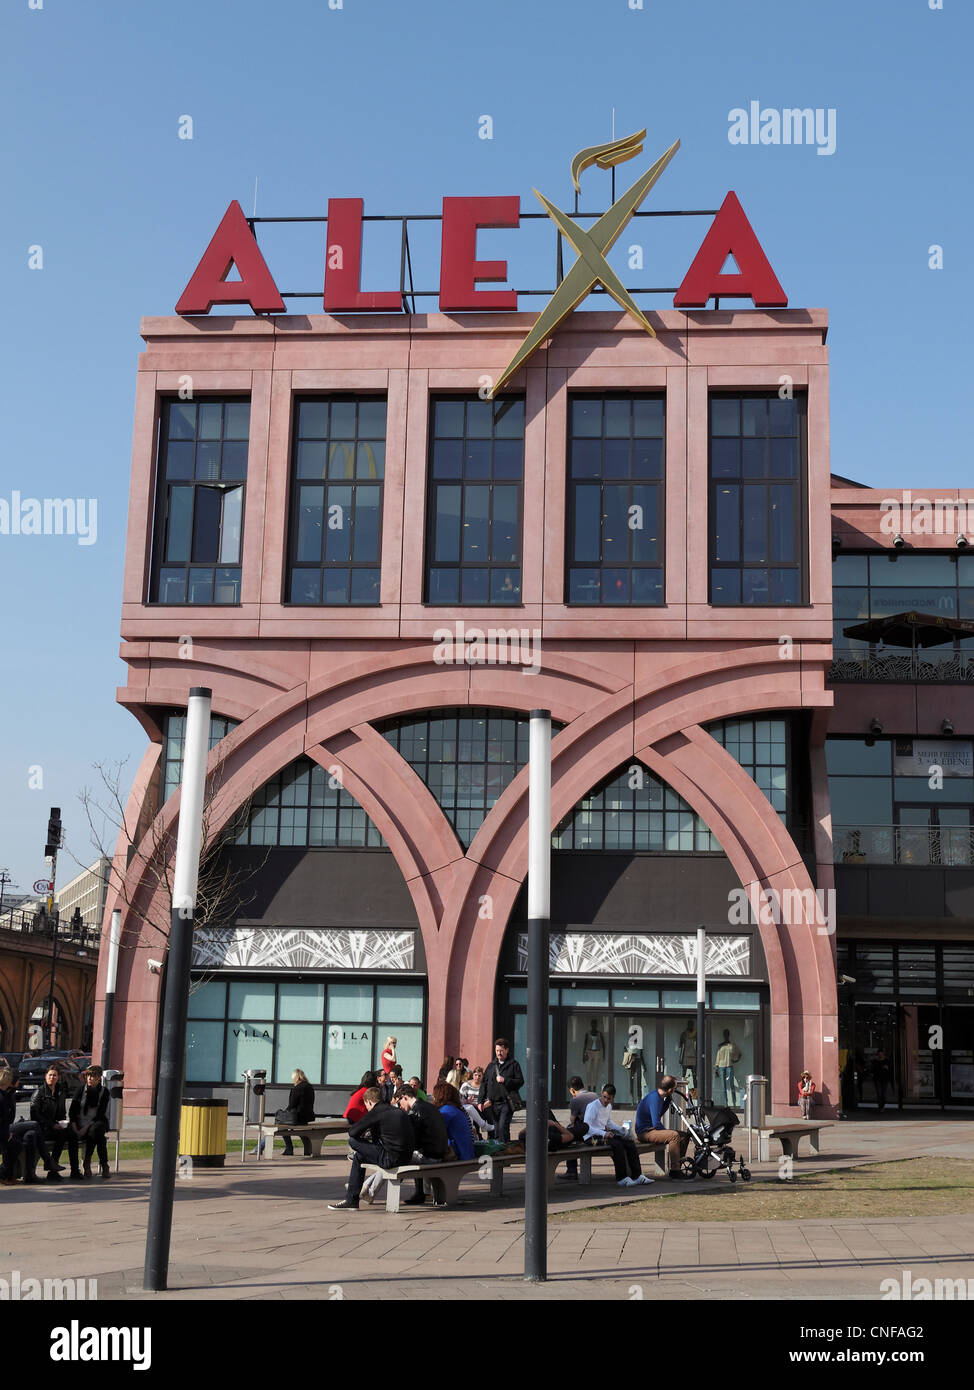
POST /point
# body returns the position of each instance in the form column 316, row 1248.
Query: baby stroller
column 711, row 1127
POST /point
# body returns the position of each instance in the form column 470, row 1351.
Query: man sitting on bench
column 430, row 1140
column 392, row 1141
column 649, row 1125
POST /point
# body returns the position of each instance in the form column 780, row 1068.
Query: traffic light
column 53, row 833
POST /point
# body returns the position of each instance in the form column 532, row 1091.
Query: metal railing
column 924, row 667
column 950, row 846
column 33, row 923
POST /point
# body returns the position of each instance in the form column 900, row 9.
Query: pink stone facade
column 626, row 683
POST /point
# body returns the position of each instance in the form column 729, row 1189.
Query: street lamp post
column 172, row 1049
column 539, row 913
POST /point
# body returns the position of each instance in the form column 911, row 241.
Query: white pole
column 539, row 912
column 703, row 1069
column 189, row 836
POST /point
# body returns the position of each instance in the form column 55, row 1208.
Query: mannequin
column 688, row 1052
column 593, row 1056
column 727, row 1054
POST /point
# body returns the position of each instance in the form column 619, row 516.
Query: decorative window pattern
column 336, row 501
column 638, row 953
column 174, row 741
column 466, row 757
column 202, row 471
column 304, row 805
column 302, row 948
column 757, row 500
column 615, row 500
column 333, row 1031
column 476, row 471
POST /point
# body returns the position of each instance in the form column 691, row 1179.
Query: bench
column 788, row 1133
column 316, row 1131
column 443, row 1178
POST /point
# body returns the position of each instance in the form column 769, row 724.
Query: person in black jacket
column 49, row 1107
column 391, row 1143
column 9, row 1147
column 432, row 1141
column 502, row 1079
column 301, row 1099
column 88, row 1119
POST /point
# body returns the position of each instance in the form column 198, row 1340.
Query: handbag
column 516, row 1102
column 286, row 1117
column 627, row 1060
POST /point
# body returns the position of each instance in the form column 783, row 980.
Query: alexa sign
column 730, row 236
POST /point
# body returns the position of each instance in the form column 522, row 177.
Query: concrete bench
column 317, row 1131
column 443, row 1178
column 582, row 1153
column 788, row 1133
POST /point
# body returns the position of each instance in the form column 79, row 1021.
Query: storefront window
column 732, row 1057
column 332, row 1032
column 587, row 1049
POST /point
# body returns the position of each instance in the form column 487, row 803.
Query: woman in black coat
column 301, row 1101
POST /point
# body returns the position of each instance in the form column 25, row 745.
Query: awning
column 911, row 630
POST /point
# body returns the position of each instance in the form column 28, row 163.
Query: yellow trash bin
column 203, row 1132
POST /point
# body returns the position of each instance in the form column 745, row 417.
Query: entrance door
column 876, row 1043
column 920, row 1059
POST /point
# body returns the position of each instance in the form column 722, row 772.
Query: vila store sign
column 461, row 273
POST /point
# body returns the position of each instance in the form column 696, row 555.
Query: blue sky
column 381, row 99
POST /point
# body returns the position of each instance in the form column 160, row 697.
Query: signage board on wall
column 915, row 757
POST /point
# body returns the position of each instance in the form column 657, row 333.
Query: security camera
column 898, row 542
column 836, row 544
column 155, row 967
column 847, row 979
column 875, row 726
column 946, row 728
column 962, row 542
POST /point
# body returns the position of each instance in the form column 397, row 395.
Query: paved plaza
column 265, row 1232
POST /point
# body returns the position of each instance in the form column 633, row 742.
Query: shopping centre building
column 379, row 569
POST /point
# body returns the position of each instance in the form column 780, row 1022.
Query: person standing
column 649, row 1124
column 500, row 1088
column 806, row 1094
column 882, row 1074
column 389, row 1145
column 88, row 1118
column 593, row 1054
column 389, row 1054
column 599, row 1125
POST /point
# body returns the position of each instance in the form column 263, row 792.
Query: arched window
column 303, row 805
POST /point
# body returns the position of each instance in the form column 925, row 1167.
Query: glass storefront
column 906, row 1036
column 333, row 1030
column 633, row 1036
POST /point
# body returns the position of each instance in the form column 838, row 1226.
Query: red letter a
column 730, row 234
column 233, row 244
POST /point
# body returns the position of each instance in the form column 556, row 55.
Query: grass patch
column 906, row 1187
column 142, row 1148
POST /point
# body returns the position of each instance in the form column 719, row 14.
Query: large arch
column 637, row 704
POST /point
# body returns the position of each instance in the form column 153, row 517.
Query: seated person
column 447, row 1100
column 49, row 1109
column 558, row 1136
column 389, row 1144
column 649, row 1124
column 9, row 1147
column 355, row 1109
column 88, row 1119
column 431, row 1142
column 581, row 1099
column 601, row 1128
column 469, row 1092
column 417, row 1086
column 301, row 1099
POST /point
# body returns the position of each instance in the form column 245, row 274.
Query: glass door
column 877, row 1078
column 919, row 1063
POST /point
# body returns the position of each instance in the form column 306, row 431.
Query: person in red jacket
column 806, row 1093
column 355, row 1109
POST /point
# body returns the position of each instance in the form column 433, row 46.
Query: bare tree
column 222, row 889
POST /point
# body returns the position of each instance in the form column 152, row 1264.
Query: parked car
column 35, row 1064
column 11, row 1059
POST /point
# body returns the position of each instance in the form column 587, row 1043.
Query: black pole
column 165, row 1149
column 56, row 921
column 106, row 1029
column 539, row 913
